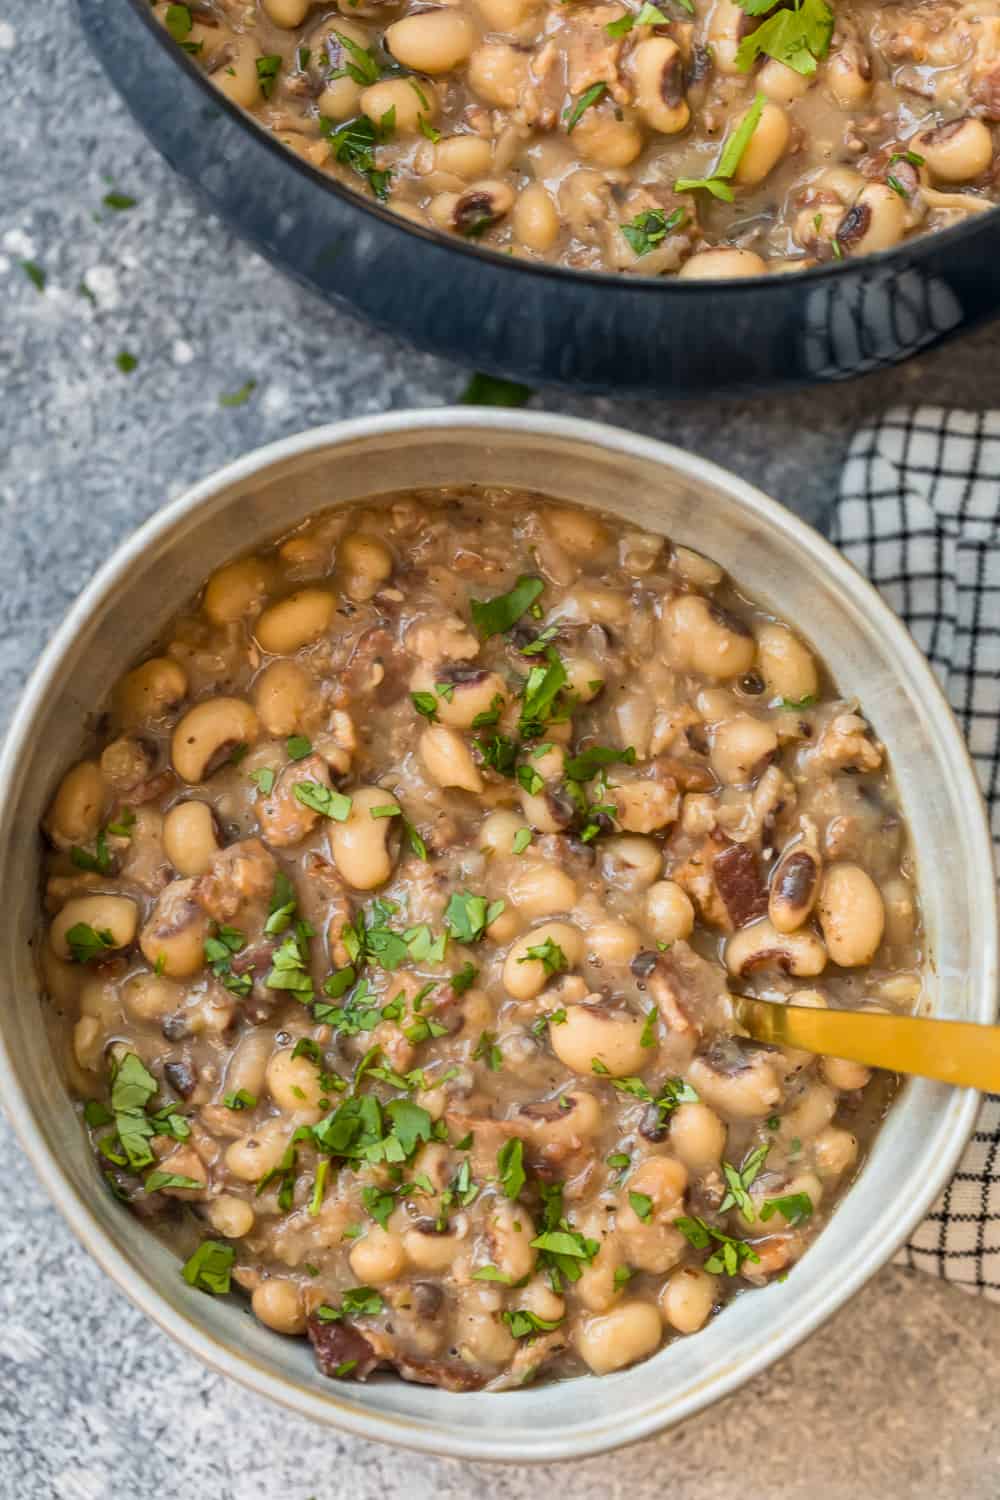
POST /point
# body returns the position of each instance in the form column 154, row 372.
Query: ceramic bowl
column 777, row 559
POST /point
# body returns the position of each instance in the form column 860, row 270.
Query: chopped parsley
column 263, row 780
column 641, row 1205
column 528, row 1325
column 220, row 947
column 497, row 616
column 323, row 799
column 353, row 144
column 467, row 916
column 126, row 362
column 363, row 67
column 34, row 273
column 210, row 1266
column 793, row 1208
column 268, row 69
column 99, row 861
column 490, row 390
column 589, row 97
column 297, row 747
column 585, row 765
column 796, row 703
column 647, row 16
column 289, row 965
column 356, row 1302
column 510, row 1167
column 178, row 21
column 240, row 397
column 241, row 1099
column 717, row 183
column 425, row 704
column 647, row 229
column 521, row 840
column 86, row 943
column 120, row 202
column 541, row 689
column 730, row 1255
column 549, row 954
column 487, row 1051
column 799, row 37
column 739, row 1181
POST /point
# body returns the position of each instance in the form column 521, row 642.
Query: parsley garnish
column 425, row 704
column 322, row 799
column 209, row 1267
column 794, row 1208
column 126, row 362
column 583, row 767
column 549, row 954
column 240, row 397
column 34, row 273
column 799, row 37
column 467, row 916
column 353, row 144
column 86, row 943
column 178, row 21
column 497, row 616
column 219, row 950
column 490, row 390
column 731, row 1253
column 357, row 1302
column 297, row 747
column 99, row 861
column 641, row 1205
column 647, row 229
column 541, row 689
column 521, row 840
column 241, row 1099
column 587, row 99
column 488, row 1052
column 528, row 1325
column 268, row 69
column 364, row 68
column 732, row 153
column 740, row 1180
column 120, row 202
column 510, row 1167
column 647, row 16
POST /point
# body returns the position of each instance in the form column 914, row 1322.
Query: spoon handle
column 958, row 1052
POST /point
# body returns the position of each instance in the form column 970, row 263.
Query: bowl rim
column 549, row 270
column 435, row 1435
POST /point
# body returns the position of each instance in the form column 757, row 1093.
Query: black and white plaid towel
column 919, row 513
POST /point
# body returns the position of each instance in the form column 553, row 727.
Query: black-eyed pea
column 700, row 572
column 848, row 76
column 766, row 146
column 151, row 997
column 505, row 926
column 340, row 100
column 296, row 621
column 601, row 136
column 286, row 13
column 786, row 665
column 843, row 1074
column 744, row 1094
column 612, row 1341
column 725, row 32
column 722, row 263
column 239, row 80
column 248, row 1065
column 293, row 1083
column 498, row 74
column 762, row 947
column 506, row 15
column 851, row 914
column 834, row 1151
column 61, row 979
column 378, row 1257
column 498, row 832
column 876, row 221
column 525, row 977
column 658, row 65
column 112, row 916
column 612, row 1038
column 645, row 805
column 364, row 562
column 283, row 693
column 687, row 1299
column 597, row 1289
column 277, row 1302
column 252, row 1156
column 539, row 888
column 809, row 1115
column 697, row 1136
column 481, row 1335
column 189, row 837
column 899, row 902
column 238, row 589
column 465, row 156
column 207, row 735
column 173, row 938
column 471, row 693
column 567, row 1120
column 99, row 999
column 741, row 747
column 77, row 809
column 441, row 210
column 448, row 760
column 538, row 1297
column 426, row 1249
column 150, row 691
column 88, row 1044
column 535, row 219
column 630, row 862
column 482, row 205
column 360, row 845
column 433, row 41
column 957, row 151
column 585, row 677
column 613, row 942
column 230, row 1216
column 578, row 532
column 700, row 637
column 794, row 888
column 669, row 911
column 510, row 1231
column 781, row 83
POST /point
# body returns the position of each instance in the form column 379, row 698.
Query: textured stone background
column 897, row 1396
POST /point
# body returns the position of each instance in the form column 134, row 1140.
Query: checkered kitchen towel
column 919, row 513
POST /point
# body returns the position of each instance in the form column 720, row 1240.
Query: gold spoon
column 958, row 1052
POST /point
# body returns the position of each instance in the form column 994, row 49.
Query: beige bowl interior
column 774, row 557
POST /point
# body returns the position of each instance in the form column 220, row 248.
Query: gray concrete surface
column 897, row 1396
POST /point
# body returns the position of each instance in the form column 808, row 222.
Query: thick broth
column 391, row 937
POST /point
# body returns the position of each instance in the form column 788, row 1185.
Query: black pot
column 537, row 323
